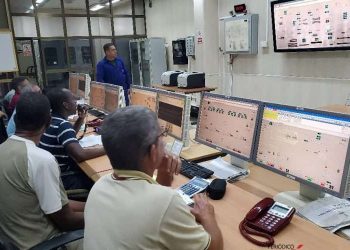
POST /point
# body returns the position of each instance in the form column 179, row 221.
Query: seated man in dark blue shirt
column 60, row 140
column 112, row 70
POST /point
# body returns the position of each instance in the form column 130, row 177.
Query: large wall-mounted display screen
column 310, row 25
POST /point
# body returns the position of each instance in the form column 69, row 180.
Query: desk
column 243, row 195
column 97, row 167
column 240, row 197
column 340, row 108
column 183, row 90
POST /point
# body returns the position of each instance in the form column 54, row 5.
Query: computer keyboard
column 191, row 169
column 96, row 113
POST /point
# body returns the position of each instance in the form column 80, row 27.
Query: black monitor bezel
column 272, row 4
column 342, row 190
column 217, row 147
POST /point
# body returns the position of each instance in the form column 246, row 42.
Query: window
column 139, row 8
column 123, row 26
column 72, row 55
column 75, row 7
column 122, row 7
column 140, row 26
column 24, row 26
column 71, row 33
column 101, row 26
column 50, row 26
column 54, row 54
column 77, row 26
column 23, row 6
column 85, row 54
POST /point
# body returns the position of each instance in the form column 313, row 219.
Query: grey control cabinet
column 241, row 34
column 148, row 60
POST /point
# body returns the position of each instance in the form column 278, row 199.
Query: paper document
column 331, row 213
column 91, row 140
column 222, row 169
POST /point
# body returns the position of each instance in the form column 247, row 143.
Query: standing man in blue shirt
column 111, row 69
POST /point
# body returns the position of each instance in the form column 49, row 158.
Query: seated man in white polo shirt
column 34, row 206
column 128, row 209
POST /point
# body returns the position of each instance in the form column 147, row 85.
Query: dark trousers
column 76, row 180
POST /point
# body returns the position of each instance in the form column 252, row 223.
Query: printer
column 169, row 78
column 191, row 80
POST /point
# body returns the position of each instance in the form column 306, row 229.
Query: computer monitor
column 97, row 95
column 83, row 85
column 310, row 25
column 308, row 146
column 228, row 124
column 144, row 96
column 73, row 83
column 174, row 114
column 113, row 99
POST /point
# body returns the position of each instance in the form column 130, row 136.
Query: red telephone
column 266, row 219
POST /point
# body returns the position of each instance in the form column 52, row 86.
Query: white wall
column 206, row 27
column 172, row 20
column 311, row 79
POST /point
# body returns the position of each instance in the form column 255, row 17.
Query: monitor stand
column 238, row 163
column 299, row 198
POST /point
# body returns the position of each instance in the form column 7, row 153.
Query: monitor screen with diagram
column 228, row 124
column 97, row 95
column 144, row 96
column 309, row 146
column 301, row 25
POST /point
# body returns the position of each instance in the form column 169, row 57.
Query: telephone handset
column 266, row 219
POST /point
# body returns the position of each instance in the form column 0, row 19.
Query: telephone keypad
column 268, row 222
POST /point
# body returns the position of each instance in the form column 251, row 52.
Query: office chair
column 54, row 243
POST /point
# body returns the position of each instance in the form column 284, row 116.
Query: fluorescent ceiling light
column 39, row 1
column 96, row 7
column 113, row 1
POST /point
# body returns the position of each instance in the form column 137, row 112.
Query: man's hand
column 202, row 209
column 82, row 112
column 169, row 166
column 204, row 213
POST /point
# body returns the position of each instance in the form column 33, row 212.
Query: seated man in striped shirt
column 60, row 140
